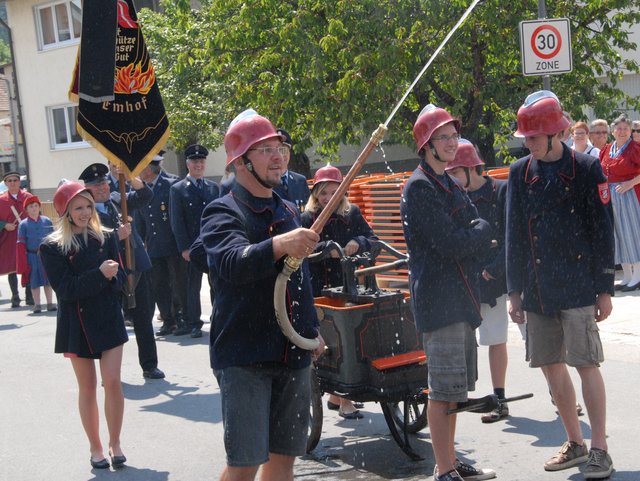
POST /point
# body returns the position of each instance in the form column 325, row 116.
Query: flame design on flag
column 124, row 17
column 131, row 79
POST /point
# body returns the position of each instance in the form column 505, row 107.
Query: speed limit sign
column 545, row 46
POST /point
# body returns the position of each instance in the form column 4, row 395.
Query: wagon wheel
column 417, row 414
column 315, row 412
column 402, row 439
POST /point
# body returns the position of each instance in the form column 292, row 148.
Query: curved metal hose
column 291, row 264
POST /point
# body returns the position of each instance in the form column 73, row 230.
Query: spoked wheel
column 408, row 416
column 416, row 409
column 315, row 412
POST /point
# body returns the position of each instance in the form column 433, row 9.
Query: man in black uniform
column 187, row 200
column 293, row 186
column 95, row 178
column 168, row 273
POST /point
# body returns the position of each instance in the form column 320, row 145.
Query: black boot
column 182, row 329
column 28, row 295
column 15, row 301
column 13, row 285
column 166, row 329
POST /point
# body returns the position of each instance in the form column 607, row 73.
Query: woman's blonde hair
column 313, row 205
column 63, row 234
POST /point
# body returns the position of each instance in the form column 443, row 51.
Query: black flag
column 131, row 127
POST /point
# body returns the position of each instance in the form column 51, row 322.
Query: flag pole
column 130, row 291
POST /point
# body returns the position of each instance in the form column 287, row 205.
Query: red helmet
column 466, row 156
column 247, row 129
column 541, row 114
column 66, row 191
column 328, row 173
column 30, row 199
column 430, row 119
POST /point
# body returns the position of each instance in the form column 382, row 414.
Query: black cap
column 196, row 151
column 287, row 138
column 94, row 174
column 13, row 173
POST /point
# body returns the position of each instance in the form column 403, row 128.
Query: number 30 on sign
column 545, row 46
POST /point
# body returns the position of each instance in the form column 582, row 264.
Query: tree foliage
column 330, row 71
column 5, row 53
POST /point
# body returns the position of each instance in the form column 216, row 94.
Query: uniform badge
column 163, row 206
column 603, row 190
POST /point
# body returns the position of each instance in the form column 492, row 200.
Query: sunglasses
column 635, row 131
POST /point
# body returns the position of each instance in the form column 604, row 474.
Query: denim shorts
column 452, row 360
column 571, row 337
column 265, row 409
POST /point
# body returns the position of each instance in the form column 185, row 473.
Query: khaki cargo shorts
column 571, row 336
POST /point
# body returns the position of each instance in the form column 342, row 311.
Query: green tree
column 177, row 42
column 329, row 71
column 5, row 53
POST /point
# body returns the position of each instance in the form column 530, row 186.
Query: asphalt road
column 172, row 427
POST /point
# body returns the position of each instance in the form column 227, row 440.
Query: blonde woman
column 347, row 227
column 81, row 261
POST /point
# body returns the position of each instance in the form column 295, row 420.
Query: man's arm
column 435, row 226
column 139, row 196
column 177, row 218
column 516, row 241
column 600, row 219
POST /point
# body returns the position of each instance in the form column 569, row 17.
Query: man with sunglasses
column 187, row 200
column 263, row 378
column 11, row 214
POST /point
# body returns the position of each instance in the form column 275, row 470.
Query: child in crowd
column 31, row 232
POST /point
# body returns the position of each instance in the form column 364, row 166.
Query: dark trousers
column 142, row 317
column 169, row 287
column 13, row 285
column 194, row 284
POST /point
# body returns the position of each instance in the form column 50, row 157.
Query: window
column 58, row 23
column 62, row 127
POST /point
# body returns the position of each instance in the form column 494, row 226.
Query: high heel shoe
column 118, row 461
column 102, row 464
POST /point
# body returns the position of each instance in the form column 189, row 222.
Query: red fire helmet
column 541, row 114
column 66, row 191
column 466, row 156
column 430, row 119
column 30, row 199
column 328, row 173
column 247, row 129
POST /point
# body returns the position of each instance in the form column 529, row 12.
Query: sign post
column 545, row 47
